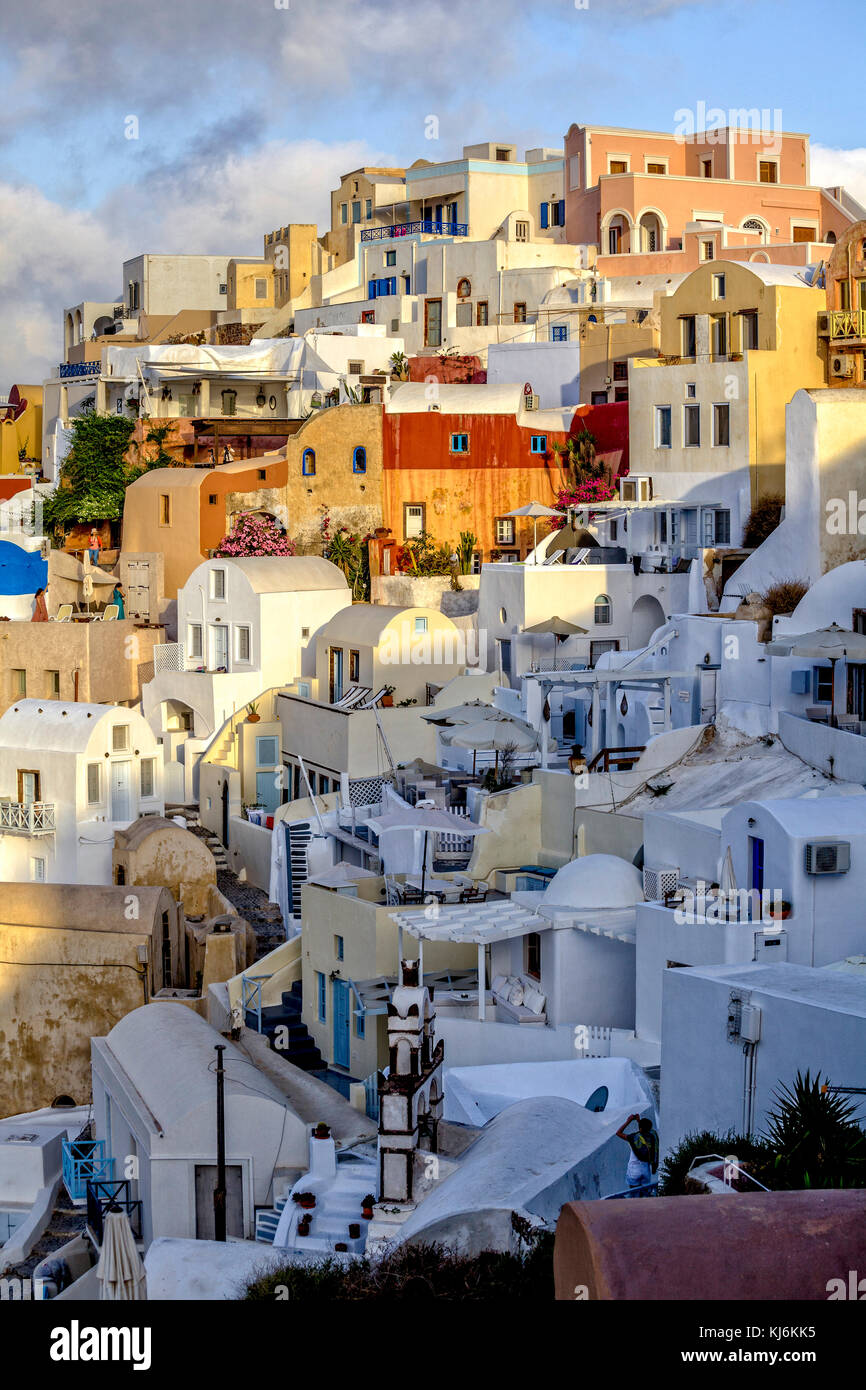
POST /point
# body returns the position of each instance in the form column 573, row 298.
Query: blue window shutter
column 371, row 290
column 562, row 212
column 545, row 208
column 438, row 212
column 393, row 285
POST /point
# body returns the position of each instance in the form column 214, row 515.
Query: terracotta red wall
column 609, row 425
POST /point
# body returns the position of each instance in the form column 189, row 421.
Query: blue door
column 757, row 847
column 340, row 1010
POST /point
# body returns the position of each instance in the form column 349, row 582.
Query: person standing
column 94, row 546
column 643, row 1160
column 118, row 597
column 40, row 606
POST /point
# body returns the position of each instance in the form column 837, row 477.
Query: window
column 164, row 509
column 718, row 334
column 687, row 336
column 538, row 444
column 768, row 171
column 305, row 633
column 322, row 995
column 722, row 425
column 360, row 1025
column 656, row 166
column 804, row 234
column 382, row 287
column 520, row 313
column 420, row 624
column 356, row 211
column 354, row 667
column 368, row 316
column 263, row 474
column 505, row 530
column 503, row 155
column 368, row 209
column 390, row 258
column 29, row 786
column 617, row 166
column 218, row 584
column 598, row 398
column 413, row 519
column 481, row 317
column 359, row 459
column 707, row 168
column 557, row 213
column 308, row 463
column 753, row 225
column 620, row 370
column 532, row 954
column 521, row 231
column 344, row 213
column 148, row 777
column 355, row 368
column 663, row 426
column 194, row 641
column 261, row 288
column 120, row 738
column 718, row 287
column 597, row 649
column 748, row 329
column 691, row 390
column 559, row 333
column 602, row 610
column 338, row 947
column 708, row 250
column 267, row 751
column 433, row 322
column 94, row 791
column 574, row 171
column 691, row 426
column 243, row 644
column 722, row 529
column 52, row 685
column 37, row 870
column 459, row 444
column 822, row 684
column 464, row 316
column 230, row 402
column 212, row 499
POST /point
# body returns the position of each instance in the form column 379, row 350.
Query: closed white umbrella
column 120, row 1271
column 496, row 735
column 429, row 819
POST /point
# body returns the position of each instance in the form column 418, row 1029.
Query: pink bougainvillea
column 594, row 490
column 255, row 535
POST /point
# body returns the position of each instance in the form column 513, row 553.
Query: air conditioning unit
column 827, row 857
column 659, row 883
column 530, row 402
column 842, row 365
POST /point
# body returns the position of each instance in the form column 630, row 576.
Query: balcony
column 67, row 369
column 427, row 227
column 31, row 818
column 842, row 325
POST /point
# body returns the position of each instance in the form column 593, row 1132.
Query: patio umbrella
column 496, row 735
column 461, row 714
column 429, row 819
column 120, row 1270
column 535, row 510
column 559, row 628
column 833, row 643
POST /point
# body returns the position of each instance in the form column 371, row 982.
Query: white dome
column 595, row 880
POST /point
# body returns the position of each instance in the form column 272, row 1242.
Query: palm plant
column 578, row 454
column 399, row 365
column 816, row 1141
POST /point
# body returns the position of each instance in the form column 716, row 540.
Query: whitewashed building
column 70, row 775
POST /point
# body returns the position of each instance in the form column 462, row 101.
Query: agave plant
column 578, row 455
column 814, row 1135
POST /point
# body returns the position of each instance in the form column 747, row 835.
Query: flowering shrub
column 255, row 535
column 593, row 490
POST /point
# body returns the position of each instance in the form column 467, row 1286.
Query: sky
column 247, row 112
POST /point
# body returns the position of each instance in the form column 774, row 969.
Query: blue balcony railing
column 80, row 368
column 84, row 1161
column 429, row 227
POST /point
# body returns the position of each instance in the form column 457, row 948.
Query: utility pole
column 219, row 1192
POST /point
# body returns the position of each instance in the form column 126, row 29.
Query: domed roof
column 593, row 881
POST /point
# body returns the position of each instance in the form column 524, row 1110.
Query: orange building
column 459, row 458
column 842, row 330
column 634, row 193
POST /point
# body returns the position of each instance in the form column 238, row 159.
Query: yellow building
column 296, row 255
column 708, row 415
column 250, row 285
column 21, row 431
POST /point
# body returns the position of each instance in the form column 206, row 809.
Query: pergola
column 610, row 681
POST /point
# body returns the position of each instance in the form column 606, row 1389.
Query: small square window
column 420, row 624
column 212, row 499
column 538, row 444
column 559, row 333
column 521, row 231
column 708, row 250
column 218, row 584
column 620, row 370
column 691, row 390
column 37, row 870
column 768, row 171
column 305, row 632
column 120, row 738
column 718, row 287
column 263, row 473
column 52, row 683
column 504, row 530
column 460, row 444
column 338, row 947
column 148, row 777
column 390, row 258
column 520, row 313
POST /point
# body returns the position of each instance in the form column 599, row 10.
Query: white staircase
column 339, row 1184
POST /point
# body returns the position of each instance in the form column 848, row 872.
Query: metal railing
column 251, row 996
column 846, row 323
column 425, row 226
column 103, row 1197
column 79, row 369
column 27, row 818
column 84, row 1161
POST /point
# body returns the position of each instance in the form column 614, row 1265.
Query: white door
column 120, row 809
column 219, row 647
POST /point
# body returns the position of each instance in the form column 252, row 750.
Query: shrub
column 815, row 1139
column 784, row 595
column 255, row 535
column 754, row 1155
column 763, row 520
column 425, row 1271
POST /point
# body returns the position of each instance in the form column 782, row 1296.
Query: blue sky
column 248, row 111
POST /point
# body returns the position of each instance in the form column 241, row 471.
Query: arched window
column 754, row 224
column 603, row 610
column 359, row 459
column 308, row 463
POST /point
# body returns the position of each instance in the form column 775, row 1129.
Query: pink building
column 656, row 203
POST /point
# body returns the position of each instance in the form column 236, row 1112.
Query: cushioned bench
column 519, row 998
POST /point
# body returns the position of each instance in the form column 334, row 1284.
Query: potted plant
column 780, row 911
column 321, row 1131
column 354, row 1230
column 367, row 1206
column 304, row 1226
column 388, row 696
column 341, row 1246
column 253, row 715
column 305, row 1200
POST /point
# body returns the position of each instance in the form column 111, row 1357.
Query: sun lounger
column 372, row 703
column 64, row 613
column 109, row 613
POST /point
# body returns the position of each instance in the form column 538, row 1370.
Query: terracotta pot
column 387, row 701
column 367, row 1213
column 354, row 1230
column 253, row 718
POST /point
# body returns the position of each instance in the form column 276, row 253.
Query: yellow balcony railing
column 846, row 323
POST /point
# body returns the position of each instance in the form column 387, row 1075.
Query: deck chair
column 350, row 695
column 354, row 698
column 109, row 613
column 580, row 557
column 373, row 702
column 64, row 613
column 552, row 558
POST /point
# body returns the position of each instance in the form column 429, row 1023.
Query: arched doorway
column 650, row 232
column 646, row 615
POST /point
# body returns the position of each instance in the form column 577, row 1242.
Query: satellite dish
column 598, row 1100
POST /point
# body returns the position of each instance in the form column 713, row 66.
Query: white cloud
column 846, row 167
